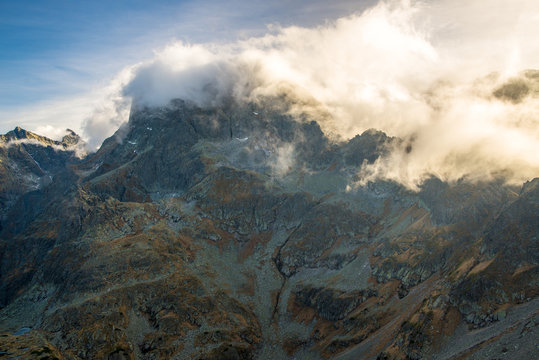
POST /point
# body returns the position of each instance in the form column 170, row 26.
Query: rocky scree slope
column 231, row 233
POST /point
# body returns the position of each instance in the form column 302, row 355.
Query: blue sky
column 78, row 64
column 50, row 49
column 57, row 56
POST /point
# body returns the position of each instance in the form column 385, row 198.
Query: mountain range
column 240, row 231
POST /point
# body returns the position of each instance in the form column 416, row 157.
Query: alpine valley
column 240, row 231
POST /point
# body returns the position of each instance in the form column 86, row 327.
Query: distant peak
column 20, row 132
column 70, row 139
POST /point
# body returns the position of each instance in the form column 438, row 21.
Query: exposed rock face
column 28, row 162
column 229, row 233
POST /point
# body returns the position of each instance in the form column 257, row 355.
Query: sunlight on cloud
column 112, row 111
column 102, row 111
column 390, row 68
column 445, row 76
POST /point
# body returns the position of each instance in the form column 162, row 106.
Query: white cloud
column 414, row 70
column 417, row 70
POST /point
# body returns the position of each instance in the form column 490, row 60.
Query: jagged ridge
column 230, row 233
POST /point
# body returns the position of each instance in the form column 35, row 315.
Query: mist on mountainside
column 405, row 68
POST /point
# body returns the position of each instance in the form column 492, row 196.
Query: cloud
column 283, row 160
column 445, row 76
column 112, row 110
column 472, row 135
column 102, row 111
column 189, row 72
column 437, row 75
column 347, row 66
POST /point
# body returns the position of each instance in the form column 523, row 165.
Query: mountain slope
column 232, row 233
column 28, row 162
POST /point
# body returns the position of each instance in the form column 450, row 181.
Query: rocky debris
column 31, row 345
column 509, row 268
column 515, row 231
column 465, row 203
column 317, row 240
column 331, row 304
column 510, row 337
column 171, row 307
column 228, row 233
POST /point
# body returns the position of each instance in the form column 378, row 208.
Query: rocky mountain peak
column 531, row 186
column 230, row 232
column 29, row 162
column 69, row 140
